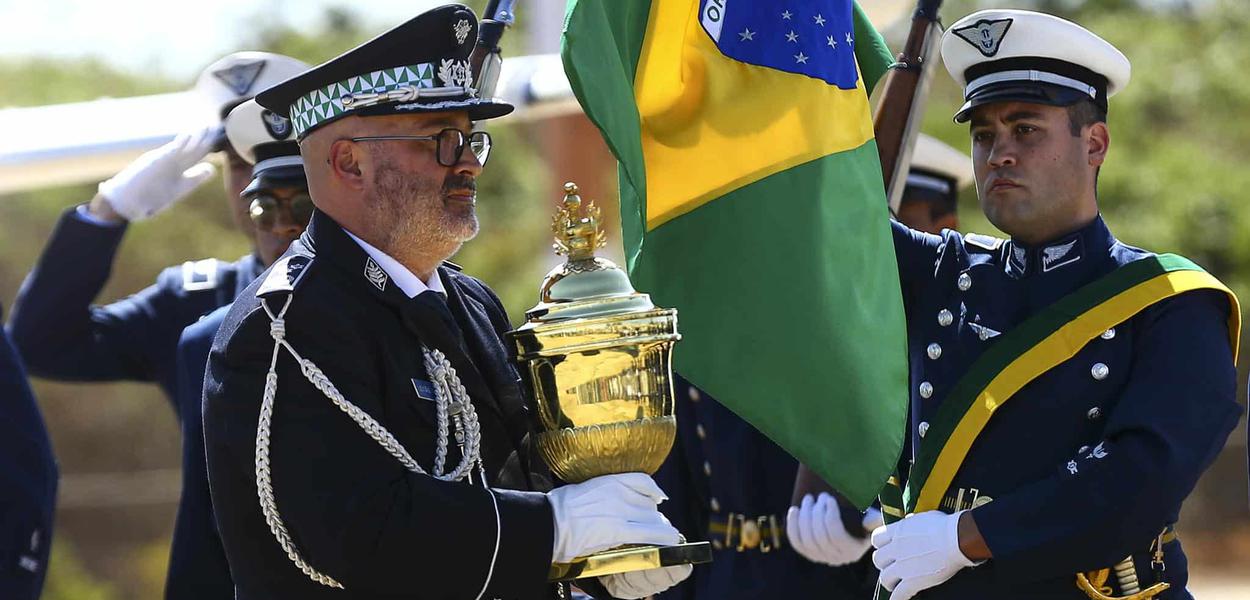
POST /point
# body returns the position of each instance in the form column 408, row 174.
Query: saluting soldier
column 731, row 485
column 366, row 431
column 28, row 481
column 57, row 330
column 1068, row 389
column 278, row 203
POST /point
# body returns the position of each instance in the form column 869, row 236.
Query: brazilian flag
column 751, row 200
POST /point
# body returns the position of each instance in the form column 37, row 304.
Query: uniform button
column 1099, row 371
column 945, row 317
column 1094, row 413
column 694, row 395
column 926, row 389
column 707, row 468
column 1108, row 334
column 715, row 505
column 700, row 431
column 935, row 351
column 923, row 428
column 965, row 282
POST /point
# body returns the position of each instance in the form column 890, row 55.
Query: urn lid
column 585, row 286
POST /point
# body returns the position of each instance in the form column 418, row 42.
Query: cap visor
column 277, row 177
column 1032, row 93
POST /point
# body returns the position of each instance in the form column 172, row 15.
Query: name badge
column 425, row 389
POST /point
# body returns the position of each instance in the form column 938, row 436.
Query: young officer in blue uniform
column 365, row 428
column 731, row 485
column 28, row 478
column 279, row 203
column 1068, row 389
column 57, row 330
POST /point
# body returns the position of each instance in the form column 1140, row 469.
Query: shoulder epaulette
column 984, row 242
column 284, row 275
column 199, row 275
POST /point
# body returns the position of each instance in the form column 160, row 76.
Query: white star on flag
column 832, row 42
column 849, row 39
column 746, row 35
column 786, row 15
column 800, row 58
column 792, row 37
column 820, row 20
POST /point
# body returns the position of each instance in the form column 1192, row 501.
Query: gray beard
column 410, row 212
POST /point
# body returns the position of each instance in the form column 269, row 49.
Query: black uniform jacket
column 353, row 511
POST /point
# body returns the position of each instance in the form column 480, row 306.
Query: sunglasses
column 264, row 209
column 450, row 144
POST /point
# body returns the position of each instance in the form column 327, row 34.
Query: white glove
column 606, row 512
column 816, row 532
column 161, row 177
column 640, row 584
column 919, row 552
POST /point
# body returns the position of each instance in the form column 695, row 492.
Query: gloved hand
column 161, row 177
column 640, row 584
column 606, row 512
column 919, row 552
column 816, row 531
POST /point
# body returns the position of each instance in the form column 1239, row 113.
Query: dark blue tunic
column 28, row 477
column 1091, row 461
column 722, row 468
column 62, row 336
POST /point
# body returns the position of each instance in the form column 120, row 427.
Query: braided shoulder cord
column 448, row 390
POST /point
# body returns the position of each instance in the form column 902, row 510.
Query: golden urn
column 598, row 355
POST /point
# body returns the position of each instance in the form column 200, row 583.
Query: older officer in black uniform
column 28, row 478
column 278, row 202
column 731, row 485
column 366, row 431
column 1068, row 389
column 61, row 335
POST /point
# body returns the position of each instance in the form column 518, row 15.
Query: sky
column 174, row 38
column 177, row 38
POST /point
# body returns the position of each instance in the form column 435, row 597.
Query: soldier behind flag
column 731, row 485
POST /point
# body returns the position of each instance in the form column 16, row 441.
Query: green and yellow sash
column 1037, row 345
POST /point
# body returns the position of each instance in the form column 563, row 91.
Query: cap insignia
column 985, row 36
column 375, row 274
column 239, row 77
column 461, row 29
column 279, row 127
column 455, row 72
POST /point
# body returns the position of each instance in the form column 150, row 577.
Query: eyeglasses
column 264, row 210
column 451, row 143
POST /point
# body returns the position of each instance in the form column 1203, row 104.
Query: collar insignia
column 1019, row 259
column 239, row 77
column 375, row 274
column 985, row 36
column 1059, row 255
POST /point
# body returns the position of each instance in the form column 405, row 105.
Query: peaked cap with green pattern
column 419, row 66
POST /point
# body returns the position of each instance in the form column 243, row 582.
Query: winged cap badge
column 239, row 77
column 986, row 36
